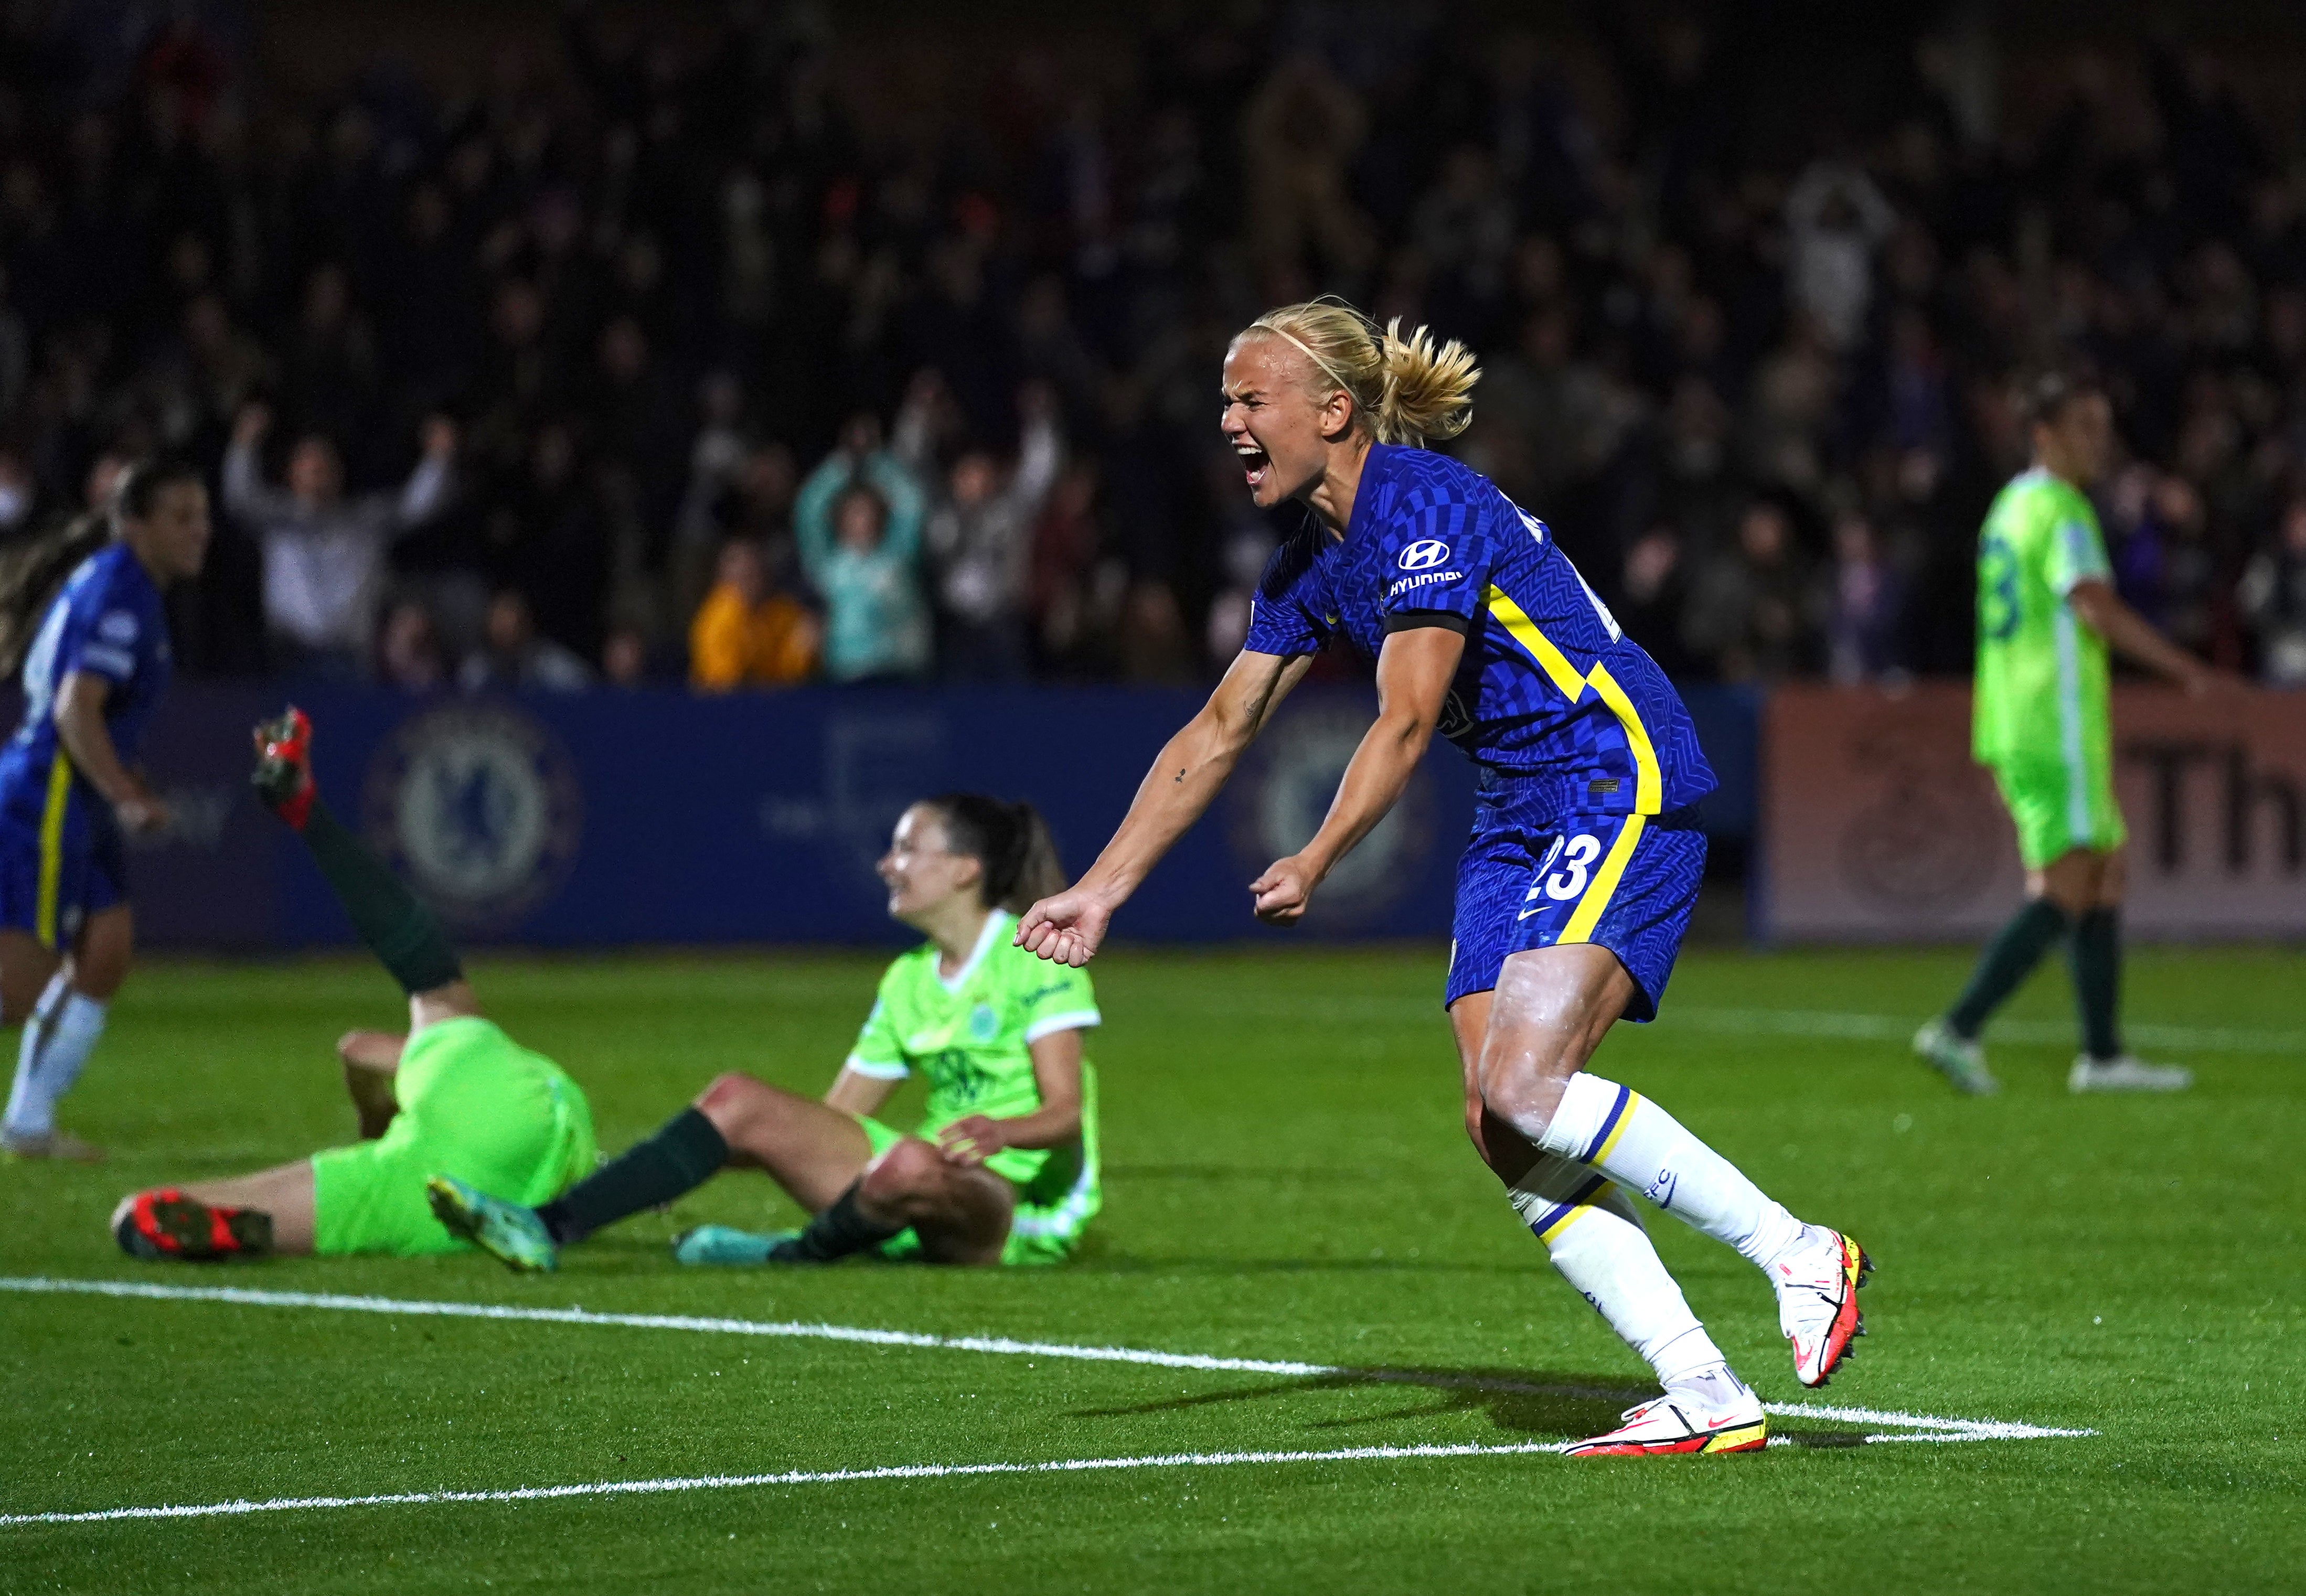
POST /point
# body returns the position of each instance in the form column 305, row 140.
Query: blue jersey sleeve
column 112, row 628
column 109, row 641
column 1437, row 560
column 1290, row 614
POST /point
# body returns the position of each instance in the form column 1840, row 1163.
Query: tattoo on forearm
column 1257, row 711
column 1180, row 776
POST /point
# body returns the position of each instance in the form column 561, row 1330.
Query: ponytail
column 1405, row 390
column 1010, row 841
column 32, row 573
column 1428, row 391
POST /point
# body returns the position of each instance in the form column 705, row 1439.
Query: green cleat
column 1960, row 1062
column 726, row 1244
column 506, row 1231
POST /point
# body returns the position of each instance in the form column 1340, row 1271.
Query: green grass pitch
column 1288, row 1179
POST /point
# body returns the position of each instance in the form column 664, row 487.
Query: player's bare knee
column 735, row 1101
column 373, row 1053
column 908, row 1174
column 1528, row 1111
column 1523, row 1091
column 1519, row 1075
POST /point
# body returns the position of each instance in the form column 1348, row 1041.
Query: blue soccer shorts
column 1626, row 882
column 60, row 861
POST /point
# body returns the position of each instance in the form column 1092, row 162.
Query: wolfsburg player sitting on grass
column 2046, row 614
column 455, row 1093
column 1003, row 1168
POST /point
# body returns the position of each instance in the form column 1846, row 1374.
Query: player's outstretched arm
column 2132, row 635
column 1184, row 781
column 1414, row 673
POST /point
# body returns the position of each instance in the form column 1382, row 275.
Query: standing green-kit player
column 456, row 1093
column 2043, row 722
column 1003, row 1168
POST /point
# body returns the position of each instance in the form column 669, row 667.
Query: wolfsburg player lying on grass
column 1005, row 1166
column 456, row 1093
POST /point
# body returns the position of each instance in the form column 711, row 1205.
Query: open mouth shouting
column 1254, row 464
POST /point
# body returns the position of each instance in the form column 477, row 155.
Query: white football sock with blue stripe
column 57, row 1039
column 1595, row 1239
column 1644, row 1149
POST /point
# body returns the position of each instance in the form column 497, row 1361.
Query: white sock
column 58, row 1037
column 1714, row 1387
column 1644, row 1149
column 1595, row 1239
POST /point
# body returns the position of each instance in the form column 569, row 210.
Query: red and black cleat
column 283, row 777
column 167, row 1225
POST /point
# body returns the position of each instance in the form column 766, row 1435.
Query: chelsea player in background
column 1584, row 858
column 69, row 788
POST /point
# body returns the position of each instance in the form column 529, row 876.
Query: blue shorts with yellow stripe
column 1626, row 882
column 60, row 854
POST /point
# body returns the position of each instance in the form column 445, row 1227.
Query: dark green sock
column 394, row 923
column 2095, row 955
column 835, row 1233
column 687, row 1151
column 2008, row 958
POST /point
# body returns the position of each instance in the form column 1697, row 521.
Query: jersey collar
column 1358, row 526
column 994, row 924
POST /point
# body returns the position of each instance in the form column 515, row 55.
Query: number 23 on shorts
column 1563, row 875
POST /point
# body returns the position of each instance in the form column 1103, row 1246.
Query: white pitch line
column 918, row 1471
column 242, row 1296
column 1825, row 1023
column 1891, row 1028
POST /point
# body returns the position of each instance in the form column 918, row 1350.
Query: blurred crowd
column 729, row 356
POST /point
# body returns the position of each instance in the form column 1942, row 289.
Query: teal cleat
column 507, row 1232
column 1962, row 1062
column 726, row 1244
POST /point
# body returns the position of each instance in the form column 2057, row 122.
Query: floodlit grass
column 1286, row 1180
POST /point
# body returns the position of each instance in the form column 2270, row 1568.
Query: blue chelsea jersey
column 1549, row 690
column 108, row 621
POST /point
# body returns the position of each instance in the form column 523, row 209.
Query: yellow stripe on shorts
column 52, row 847
column 1596, row 900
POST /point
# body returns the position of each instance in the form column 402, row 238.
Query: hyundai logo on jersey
column 1417, row 557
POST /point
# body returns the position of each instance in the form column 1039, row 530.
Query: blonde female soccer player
column 1003, row 1168
column 1584, row 858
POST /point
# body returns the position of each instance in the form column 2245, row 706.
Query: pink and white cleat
column 1679, row 1422
column 1816, row 1281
